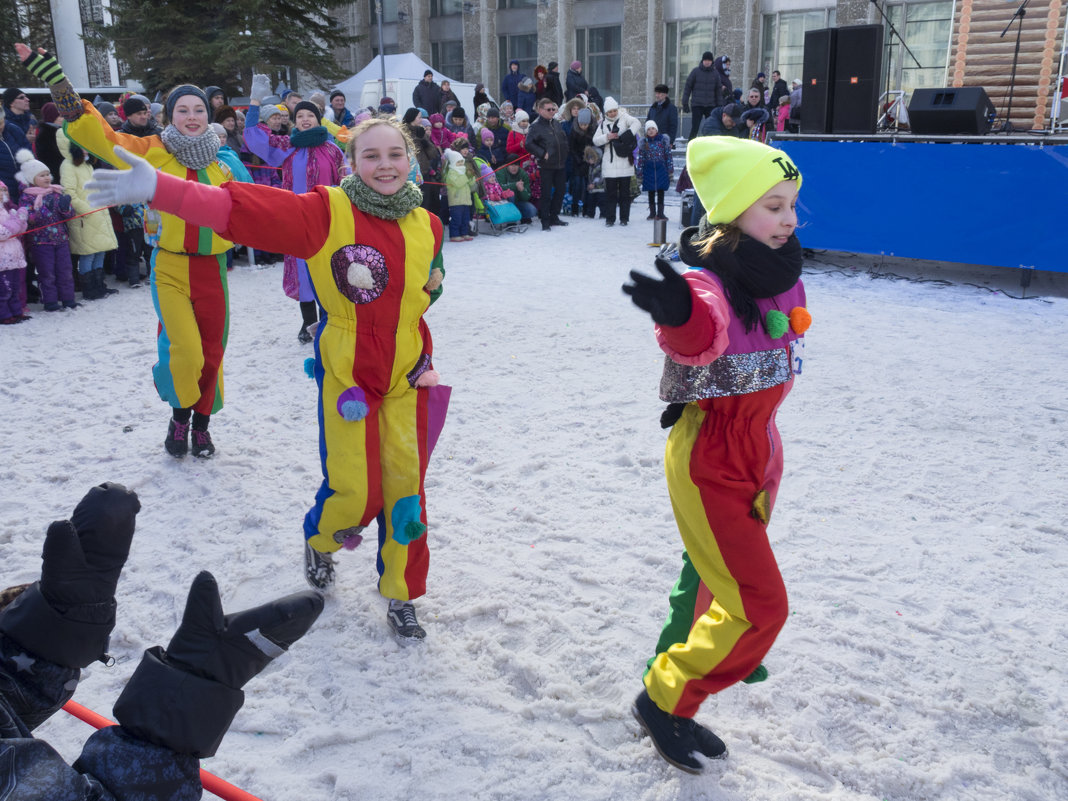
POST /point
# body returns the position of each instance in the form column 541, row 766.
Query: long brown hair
column 722, row 235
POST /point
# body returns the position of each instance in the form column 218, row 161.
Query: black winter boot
column 675, row 738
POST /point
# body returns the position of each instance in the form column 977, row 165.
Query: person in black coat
column 778, row 89
column 702, row 92
column 46, row 147
column 664, row 113
column 760, row 83
column 12, row 140
column 553, row 90
column 427, row 95
column 178, row 704
column 547, row 143
column 576, row 84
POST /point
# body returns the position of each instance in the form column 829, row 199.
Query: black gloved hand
column 685, row 109
column 186, row 697
column 231, row 649
column 67, row 616
column 83, row 557
column 668, row 302
column 64, row 202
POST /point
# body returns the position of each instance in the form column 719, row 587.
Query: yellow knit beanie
column 730, row 174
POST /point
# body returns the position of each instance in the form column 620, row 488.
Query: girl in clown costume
column 374, row 259
column 189, row 287
column 731, row 328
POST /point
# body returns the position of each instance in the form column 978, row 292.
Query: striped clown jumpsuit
column 723, row 462
column 369, row 277
column 189, row 286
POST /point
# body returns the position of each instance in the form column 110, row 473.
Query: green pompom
column 758, row 675
column 776, row 323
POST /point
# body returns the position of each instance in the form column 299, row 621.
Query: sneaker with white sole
column 401, row 617
column 318, row 568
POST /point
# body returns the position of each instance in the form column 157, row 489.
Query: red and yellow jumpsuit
column 369, row 276
column 723, row 462
column 189, row 287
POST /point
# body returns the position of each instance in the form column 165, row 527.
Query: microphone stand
column 1007, row 125
column 900, row 38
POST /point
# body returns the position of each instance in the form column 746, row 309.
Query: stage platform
column 997, row 200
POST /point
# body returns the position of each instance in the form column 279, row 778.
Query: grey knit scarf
column 194, row 152
column 386, row 207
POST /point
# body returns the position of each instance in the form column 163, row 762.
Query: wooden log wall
column 980, row 56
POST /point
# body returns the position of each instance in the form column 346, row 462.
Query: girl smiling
column 188, row 262
column 374, row 258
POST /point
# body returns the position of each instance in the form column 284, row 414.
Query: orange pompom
column 800, row 319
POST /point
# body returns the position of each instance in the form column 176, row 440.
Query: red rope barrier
column 212, row 783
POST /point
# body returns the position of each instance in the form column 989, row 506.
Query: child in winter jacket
column 732, row 329
column 12, row 259
column 516, row 147
column 594, row 183
column 515, row 179
column 48, row 209
column 307, row 158
column 91, row 234
column 655, row 167
column 460, row 186
column 782, row 114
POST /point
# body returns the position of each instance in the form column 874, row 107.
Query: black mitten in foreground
column 185, row 697
column 68, row 615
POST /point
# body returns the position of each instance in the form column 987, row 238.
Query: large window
column 389, row 11
column 685, row 43
column 448, row 58
column 523, row 48
column 518, row 4
column 926, row 28
column 601, row 52
column 783, row 40
column 442, row 8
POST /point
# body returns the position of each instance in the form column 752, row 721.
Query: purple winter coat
column 303, row 168
column 49, row 215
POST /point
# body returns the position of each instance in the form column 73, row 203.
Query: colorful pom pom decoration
column 352, row 404
column 776, row 323
column 800, row 319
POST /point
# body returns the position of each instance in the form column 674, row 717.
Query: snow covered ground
column 921, row 529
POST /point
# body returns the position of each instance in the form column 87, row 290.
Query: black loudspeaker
column 817, row 80
column 959, row 110
column 857, row 73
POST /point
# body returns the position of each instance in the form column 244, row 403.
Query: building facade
column 628, row 46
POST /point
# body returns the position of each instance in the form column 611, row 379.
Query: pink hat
column 576, row 65
column 487, row 133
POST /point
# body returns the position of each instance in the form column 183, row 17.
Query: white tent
column 403, row 72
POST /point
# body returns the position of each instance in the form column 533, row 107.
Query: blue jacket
column 11, row 141
column 666, row 117
column 510, row 84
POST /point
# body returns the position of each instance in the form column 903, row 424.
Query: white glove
column 118, row 187
column 261, row 87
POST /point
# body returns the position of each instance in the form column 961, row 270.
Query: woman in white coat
column 618, row 134
column 91, row 235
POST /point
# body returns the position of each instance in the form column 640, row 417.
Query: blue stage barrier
column 995, row 204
